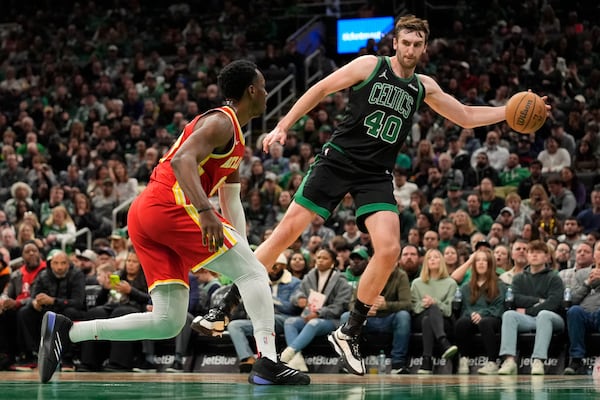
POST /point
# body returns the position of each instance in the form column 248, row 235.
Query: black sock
column 358, row 316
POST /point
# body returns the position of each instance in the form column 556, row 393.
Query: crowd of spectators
column 91, row 98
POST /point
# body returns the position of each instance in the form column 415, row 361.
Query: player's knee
column 168, row 325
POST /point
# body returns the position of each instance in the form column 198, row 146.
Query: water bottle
column 457, row 302
column 509, row 299
column 567, row 298
column 381, row 367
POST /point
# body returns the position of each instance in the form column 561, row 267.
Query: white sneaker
column 490, row 368
column 297, row 362
column 463, row 366
column 509, row 367
column 537, row 367
column 286, row 355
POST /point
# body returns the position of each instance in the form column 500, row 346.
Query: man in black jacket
column 59, row 288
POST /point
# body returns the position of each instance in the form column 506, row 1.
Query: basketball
column 525, row 112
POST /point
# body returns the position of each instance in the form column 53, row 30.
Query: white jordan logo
column 383, row 74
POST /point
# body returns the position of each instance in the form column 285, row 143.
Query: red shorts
column 167, row 237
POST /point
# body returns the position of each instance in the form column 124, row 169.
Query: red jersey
column 213, row 170
column 164, row 226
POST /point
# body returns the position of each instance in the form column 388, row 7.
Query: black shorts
column 332, row 175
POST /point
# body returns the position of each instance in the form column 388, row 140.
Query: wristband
column 201, row 210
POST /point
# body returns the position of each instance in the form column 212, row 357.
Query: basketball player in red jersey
column 174, row 228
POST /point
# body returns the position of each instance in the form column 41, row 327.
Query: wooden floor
column 133, row 386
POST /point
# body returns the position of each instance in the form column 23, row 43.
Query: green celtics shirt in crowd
column 378, row 117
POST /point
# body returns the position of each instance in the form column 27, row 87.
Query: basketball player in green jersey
column 385, row 94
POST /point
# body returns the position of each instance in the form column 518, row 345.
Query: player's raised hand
column 276, row 135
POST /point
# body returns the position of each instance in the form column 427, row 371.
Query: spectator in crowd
column 270, row 190
column 277, row 163
column 12, row 174
column 105, row 201
column 19, row 192
column 454, row 200
column 128, row 294
column 431, row 296
column 554, row 158
column 513, row 173
column 15, row 296
column 565, row 139
column 535, row 178
column 482, row 222
column 538, row 300
column 481, row 170
column 317, row 228
column 490, row 203
column 465, row 227
column 584, row 258
column 590, row 218
column 402, row 187
column 298, row 265
column 482, row 308
column 58, row 229
column 522, row 214
column 84, row 217
column 548, row 223
column 563, row 256
column 86, row 261
column 125, row 187
column 537, row 196
column 561, row 198
column 582, row 314
column 323, row 295
column 571, row 232
column 571, row 182
column 585, row 161
column 496, row 153
column 60, row 287
column 8, row 238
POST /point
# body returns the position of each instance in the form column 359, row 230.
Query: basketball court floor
column 134, row 386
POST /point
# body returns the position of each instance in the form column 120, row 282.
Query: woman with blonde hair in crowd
column 537, row 194
column 482, row 308
column 26, row 233
column 464, row 226
column 59, row 230
column 432, row 293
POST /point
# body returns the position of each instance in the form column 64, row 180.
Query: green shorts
column 332, row 175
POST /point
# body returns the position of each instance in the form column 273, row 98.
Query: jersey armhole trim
column 363, row 83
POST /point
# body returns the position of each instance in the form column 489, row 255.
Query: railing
column 281, row 103
column 318, row 70
column 83, row 231
column 120, row 207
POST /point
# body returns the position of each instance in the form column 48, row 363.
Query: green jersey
column 378, row 117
